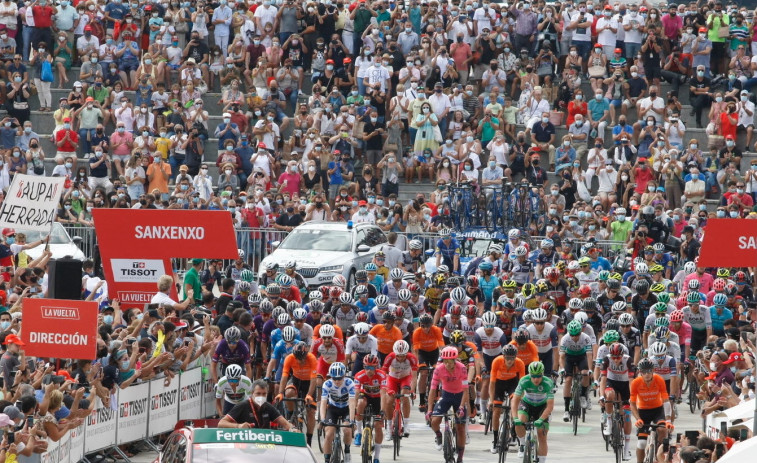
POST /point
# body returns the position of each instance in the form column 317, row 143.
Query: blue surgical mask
column 4, row 326
column 108, row 319
column 380, row 202
column 10, row 240
column 125, row 364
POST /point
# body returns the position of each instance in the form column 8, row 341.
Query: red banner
column 137, row 246
column 60, row 328
column 729, row 243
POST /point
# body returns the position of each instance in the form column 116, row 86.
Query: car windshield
column 318, row 240
column 57, row 236
column 247, row 452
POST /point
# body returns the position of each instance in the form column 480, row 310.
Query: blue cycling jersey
column 367, row 307
column 601, row 264
column 276, row 336
column 338, row 396
column 279, row 354
column 487, row 287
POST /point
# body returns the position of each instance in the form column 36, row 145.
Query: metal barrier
column 88, row 238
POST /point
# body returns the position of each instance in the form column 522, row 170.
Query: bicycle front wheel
column 337, row 451
column 693, row 397
column 397, row 433
column 534, row 450
column 503, row 440
column 366, row 447
column 618, row 440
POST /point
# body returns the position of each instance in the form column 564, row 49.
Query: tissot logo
column 137, row 271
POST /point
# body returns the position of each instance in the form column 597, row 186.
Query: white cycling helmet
column 513, row 234
column 362, row 329
column 489, row 318
column 415, row 245
column 689, row 268
column 401, row 347
column 539, row 314
column 619, row 306
column 575, row 304
column 521, row 251
column 288, row 333
column 233, row 371
column 327, row 331
column 658, row 349
column 581, row 318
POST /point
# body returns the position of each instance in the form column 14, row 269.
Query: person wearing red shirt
column 43, row 21
column 729, row 120
column 66, row 140
column 577, row 106
column 642, row 174
column 740, row 198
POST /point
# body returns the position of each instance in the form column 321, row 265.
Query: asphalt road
column 587, row 447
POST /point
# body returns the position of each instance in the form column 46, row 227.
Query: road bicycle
column 463, row 206
column 337, row 448
column 576, row 410
column 366, row 446
column 425, row 372
column 694, row 401
column 398, row 423
column 650, row 451
column 531, row 444
column 505, row 429
column 494, row 212
column 449, row 440
column 299, row 415
column 616, row 439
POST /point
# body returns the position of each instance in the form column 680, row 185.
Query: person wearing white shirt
column 675, row 130
column 607, row 176
column 632, row 23
column 203, row 183
column 265, row 14
column 746, row 116
column 441, row 105
column 607, row 32
column 596, row 159
column 483, row 18
column 363, row 215
column 534, row 108
column 377, row 76
column 580, row 26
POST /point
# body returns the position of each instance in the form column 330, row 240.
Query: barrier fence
column 136, row 413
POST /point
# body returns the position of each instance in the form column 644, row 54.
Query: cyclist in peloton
column 453, row 377
column 337, row 403
column 649, row 405
column 575, row 354
column 298, row 379
column 401, row 367
column 533, row 400
column 617, row 370
column 232, row 389
column 371, row 383
column 506, row 371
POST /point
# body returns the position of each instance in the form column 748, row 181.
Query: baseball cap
column 734, row 357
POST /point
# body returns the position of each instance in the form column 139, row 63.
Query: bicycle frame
column 650, row 451
column 531, row 454
column 449, row 438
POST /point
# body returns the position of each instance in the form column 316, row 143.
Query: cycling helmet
column 288, row 333
column 616, row 350
column 489, row 319
column 730, row 289
column 404, row 294
column 527, row 290
column 361, row 290
column 361, row 275
column 371, row 267
column 693, row 298
column 584, row 290
column 509, row 284
column 292, row 306
column 271, row 266
column 528, row 316
column 604, row 275
column 456, row 311
column 246, row 276
column 254, row 299
column 539, row 315
column 415, row 245
column 327, row 331
column 396, row 274
column 449, row 353
column 584, row 261
column 642, row 268
column 664, row 298
column 232, row 335
column 581, row 318
column 457, row 338
column 693, row 284
column 658, row 247
column 283, row 319
column 660, row 307
column 662, row 321
column 625, row 319
column 689, row 267
column 285, row 280
column 641, row 286
column 266, row 306
column 656, row 268
column 327, row 319
column 276, row 312
column 387, row 317
column 739, row 277
column 339, row 280
column 657, row 288
column 521, row 251
column 370, row 360
column 300, row 350
column 442, row 269
column 399, row 312
column 315, row 295
column 611, row 336
column 573, row 266
column 382, row 301
column 316, row 306
column 458, row 295
column 513, row 234
column 401, row 347
column 290, row 264
column 337, row 370
column 233, row 371
column 724, row 273
column 240, row 253
column 299, row 314
column 536, row 369
column 495, row 248
column 472, row 281
column 470, row 312
column 519, row 301
column 616, row 276
column 541, row 287
column 547, row 243
column 676, row 316
column 619, row 307
column 720, row 299
column 662, row 332
column 426, row 320
column 645, row 365
column 345, row 299
column 549, row 306
column 522, row 336
column 273, row 290
column 509, row 350
column 613, row 284
column 504, row 301
column 590, row 304
column 574, row 328
column 361, row 317
column 612, row 324
column 575, row 304
column 718, row 285
column 551, row 273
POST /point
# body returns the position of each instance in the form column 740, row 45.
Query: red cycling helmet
column 471, row 312
column 676, row 316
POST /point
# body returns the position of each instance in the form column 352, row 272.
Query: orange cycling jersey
column 649, row 396
column 304, row 371
column 337, row 332
column 386, row 339
column 528, row 354
column 500, row 372
column 428, row 341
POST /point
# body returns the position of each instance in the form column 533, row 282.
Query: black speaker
column 64, row 279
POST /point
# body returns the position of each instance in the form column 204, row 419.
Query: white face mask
column 259, row 401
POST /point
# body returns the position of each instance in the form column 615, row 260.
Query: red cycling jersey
column 371, row 385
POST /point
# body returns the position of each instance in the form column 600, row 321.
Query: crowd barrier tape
column 137, row 412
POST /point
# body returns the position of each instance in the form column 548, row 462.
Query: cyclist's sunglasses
column 536, row 376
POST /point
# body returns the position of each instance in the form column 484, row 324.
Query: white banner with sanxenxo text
column 133, row 411
column 190, row 395
column 164, row 406
column 31, row 202
column 100, row 429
